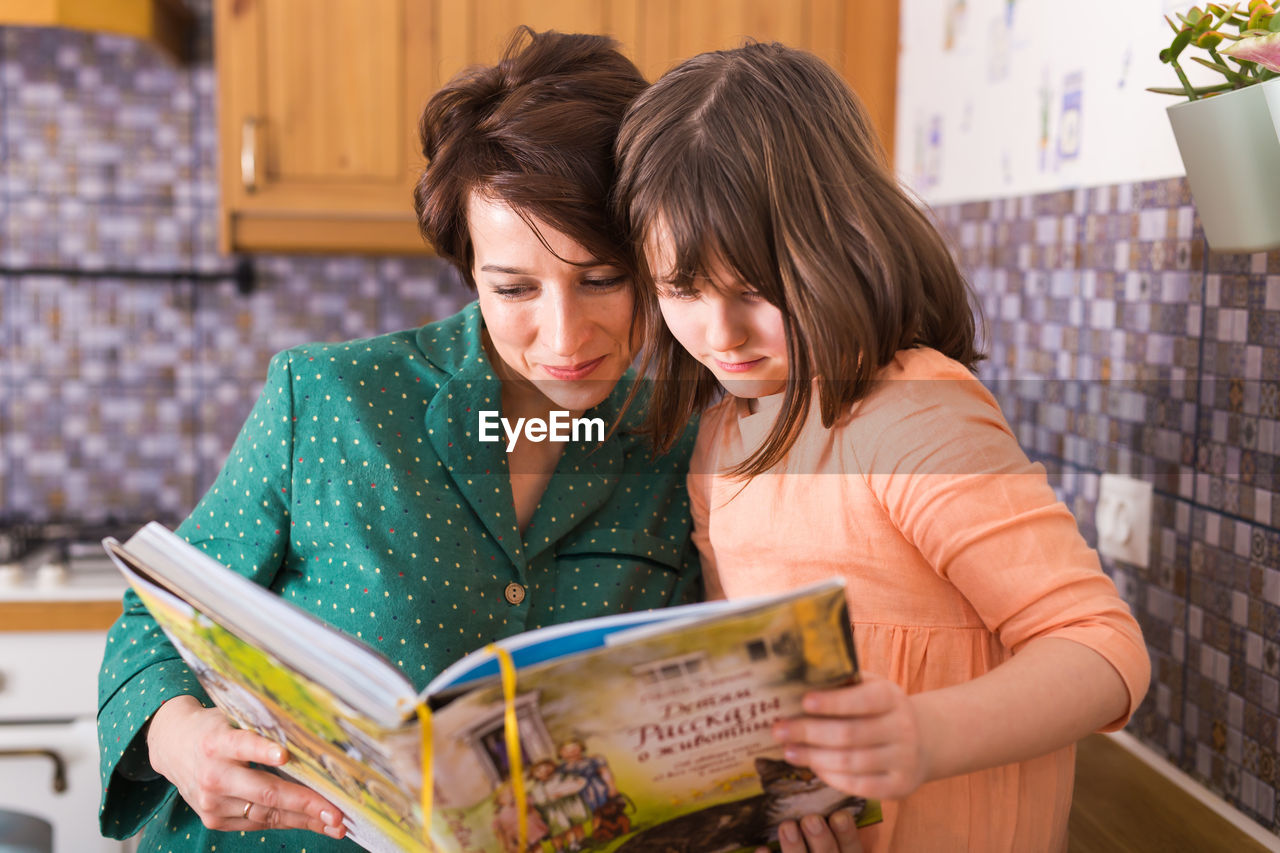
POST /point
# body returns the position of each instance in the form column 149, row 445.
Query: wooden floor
column 1122, row 805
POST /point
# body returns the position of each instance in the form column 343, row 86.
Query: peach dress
column 956, row 553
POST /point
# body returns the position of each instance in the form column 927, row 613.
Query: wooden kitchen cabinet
column 316, row 107
column 319, row 99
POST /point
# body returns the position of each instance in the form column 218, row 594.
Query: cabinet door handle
column 59, row 766
column 249, row 154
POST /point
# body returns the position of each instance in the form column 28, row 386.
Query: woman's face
column 558, row 319
column 723, row 322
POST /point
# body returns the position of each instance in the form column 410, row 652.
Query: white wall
column 1010, row 97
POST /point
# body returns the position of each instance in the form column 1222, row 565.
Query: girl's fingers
column 872, row 697
column 853, row 762
column 790, row 838
column 879, row 786
column 845, row 828
column 840, row 733
column 815, row 834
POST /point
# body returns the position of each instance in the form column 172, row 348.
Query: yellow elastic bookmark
column 511, row 728
column 428, row 782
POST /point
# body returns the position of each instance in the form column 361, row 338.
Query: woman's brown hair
column 536, row 130
column 763, row 159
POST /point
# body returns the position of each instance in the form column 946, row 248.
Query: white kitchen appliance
column 48, row 707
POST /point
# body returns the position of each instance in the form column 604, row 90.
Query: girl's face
column 723, row 323
column 558, row 320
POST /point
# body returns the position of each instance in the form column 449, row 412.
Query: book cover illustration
column 661, row 742
column 371, row 773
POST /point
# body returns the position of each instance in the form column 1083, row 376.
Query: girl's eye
column 604, row 283
column 676, row 292
column 753, row 295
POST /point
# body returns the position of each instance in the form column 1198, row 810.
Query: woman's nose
column 566, row 327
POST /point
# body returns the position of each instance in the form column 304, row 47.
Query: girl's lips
column 738, row 366
column 577, row 371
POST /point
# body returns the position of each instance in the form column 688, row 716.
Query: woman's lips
column 738, row 366
column 576, row 371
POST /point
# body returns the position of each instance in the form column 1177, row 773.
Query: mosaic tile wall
column 1119, row 343
column 126, row 364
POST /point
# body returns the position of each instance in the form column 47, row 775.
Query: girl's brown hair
column 536, row 130
column 763, row 159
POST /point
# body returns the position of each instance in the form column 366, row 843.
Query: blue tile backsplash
column 1117, row 343
column 126, row 363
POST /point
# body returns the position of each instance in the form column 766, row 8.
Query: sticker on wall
column 1069, row 123
column 951, row 26
column 928, row 153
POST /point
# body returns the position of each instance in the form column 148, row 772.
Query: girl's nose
column 725, row 330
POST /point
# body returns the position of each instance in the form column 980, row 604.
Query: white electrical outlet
column 1123, row 519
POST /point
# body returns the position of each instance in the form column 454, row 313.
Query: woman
column 359, row 487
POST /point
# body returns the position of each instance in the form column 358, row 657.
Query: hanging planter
column 1230, row 146
column 1229, row 134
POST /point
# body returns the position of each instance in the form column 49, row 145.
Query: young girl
column 794, row 273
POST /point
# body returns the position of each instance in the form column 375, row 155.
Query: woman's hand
column 864, row 740
column 207, row 760
column 815, row 834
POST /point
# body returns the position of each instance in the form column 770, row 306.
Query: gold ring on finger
column 245, row 814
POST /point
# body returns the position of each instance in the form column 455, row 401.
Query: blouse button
column 514, row 593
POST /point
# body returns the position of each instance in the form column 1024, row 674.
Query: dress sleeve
column 955, row 482
column 243, row 521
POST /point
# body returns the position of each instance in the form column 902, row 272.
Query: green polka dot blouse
column 358, row 490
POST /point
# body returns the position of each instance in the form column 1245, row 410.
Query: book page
column 361, row 676
column 660, row 743
column 370, row 771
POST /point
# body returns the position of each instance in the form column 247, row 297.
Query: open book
column 636, row 732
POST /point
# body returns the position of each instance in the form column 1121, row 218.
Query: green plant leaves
column 1254, row 47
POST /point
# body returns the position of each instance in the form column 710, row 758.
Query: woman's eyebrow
column 502, row 269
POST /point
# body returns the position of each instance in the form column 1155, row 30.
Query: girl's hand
column 815, row 834
column 864, row 740
column 207, row 760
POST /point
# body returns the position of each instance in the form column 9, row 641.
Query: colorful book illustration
column 637, row 732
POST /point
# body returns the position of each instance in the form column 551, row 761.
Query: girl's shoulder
column 923, row 377
column 925, row 363
column 711, row 427
column 929, row 408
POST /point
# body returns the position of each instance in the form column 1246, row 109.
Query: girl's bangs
column 709, row 224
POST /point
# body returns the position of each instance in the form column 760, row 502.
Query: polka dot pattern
column 357, row 490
